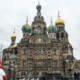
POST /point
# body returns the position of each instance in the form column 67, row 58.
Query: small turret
column 13, row 39
column 52, row 31
column 26, row 30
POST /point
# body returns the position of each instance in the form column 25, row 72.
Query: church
column 42, row 49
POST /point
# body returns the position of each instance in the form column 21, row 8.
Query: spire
column 51, row 19
column 58, row 14
column 27, row 20
column 38, row 2
column 38, row 7
column 13, row 35
column 14, row 30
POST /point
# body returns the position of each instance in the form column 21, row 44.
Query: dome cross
column 58, row 14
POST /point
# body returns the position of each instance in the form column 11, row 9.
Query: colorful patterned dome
column 26, row 27
column 51, row 28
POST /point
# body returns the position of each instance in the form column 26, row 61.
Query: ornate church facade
column 41, row 49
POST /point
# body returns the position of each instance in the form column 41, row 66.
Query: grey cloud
column 13, row 13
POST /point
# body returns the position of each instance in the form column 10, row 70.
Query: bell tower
column 61, row 33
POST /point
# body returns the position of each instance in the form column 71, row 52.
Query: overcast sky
column 13, row 13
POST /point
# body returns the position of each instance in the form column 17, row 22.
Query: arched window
column 35, row 51
column 43, row 51
column 39, row 51
column 57, row 35
column 35, row 63
column 55, row 64
column 24, row 52
column 54, row 52
column 39, row 29
column 33, row 30
column 62, row 35
column 44, row 29
column 44, row 63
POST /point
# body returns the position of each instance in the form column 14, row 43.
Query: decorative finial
column 51, row 19
column 38, row 2
column 58, row 14
column 27, row 20
column 14, row 30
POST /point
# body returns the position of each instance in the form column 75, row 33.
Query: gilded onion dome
column 26, row 27
column 59, row 21
column 13, row 35
column 51, row 28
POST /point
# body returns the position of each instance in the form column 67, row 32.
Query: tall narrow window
column 55, row 64
column 35, row 63
column 23, row 63
column 39, row 51
column 35, row 51
column 44, row 29
column 39, row 29
column 62, row 35
column 43, row 51
column 54, row 52
column 58, row 36
column 24, row 52
column 44, row 63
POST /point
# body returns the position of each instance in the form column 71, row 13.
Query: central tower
column 38, row 25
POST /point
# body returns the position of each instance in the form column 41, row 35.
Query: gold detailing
column 13, row 35
column 14, row 46
column 59, row 20
column 27, row 20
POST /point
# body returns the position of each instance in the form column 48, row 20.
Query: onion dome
column 51, row 28
column 13, row 35
column 59, row 21
column 38, row 6
column 26, row 27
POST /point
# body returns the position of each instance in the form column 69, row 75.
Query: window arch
column 39, row 29
column 54, row 52
column 62, row 35
column 58, row 36
column 24, row 52
column 44, row 29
